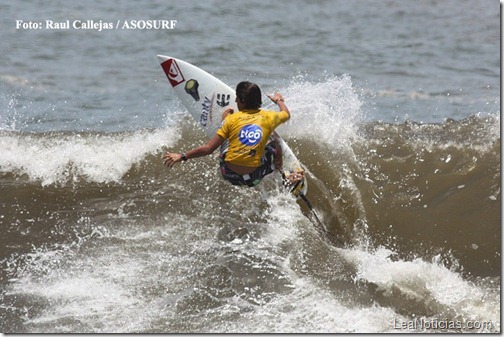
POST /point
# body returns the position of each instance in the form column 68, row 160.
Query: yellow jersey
column 248, row 132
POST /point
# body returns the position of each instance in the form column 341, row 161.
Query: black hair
column 249, row 94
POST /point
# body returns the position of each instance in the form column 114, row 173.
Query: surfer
column 249, row 149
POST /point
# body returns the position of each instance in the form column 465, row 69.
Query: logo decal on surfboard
column 191, row 87
column 206, row 111
column 250, row 135
column 223, row 100
column 173, row 72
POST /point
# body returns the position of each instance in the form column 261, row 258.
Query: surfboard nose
column 163, row 58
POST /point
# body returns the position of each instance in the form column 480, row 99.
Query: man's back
column 248, row 132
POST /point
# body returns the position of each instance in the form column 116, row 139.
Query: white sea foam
column 328, row 111
column 60, row 157
column 428, row 282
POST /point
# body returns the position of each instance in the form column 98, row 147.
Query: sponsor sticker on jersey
column 250, row 135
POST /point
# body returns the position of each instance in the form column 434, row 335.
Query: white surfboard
column 206, row 97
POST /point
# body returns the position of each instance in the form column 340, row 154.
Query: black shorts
column 251, row 179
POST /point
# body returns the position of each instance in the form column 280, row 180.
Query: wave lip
column 59, row 157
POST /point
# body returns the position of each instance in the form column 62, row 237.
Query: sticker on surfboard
column 173, row 72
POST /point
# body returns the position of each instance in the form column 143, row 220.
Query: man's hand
column 169, row 159
column 279, row 100
column 227, row 112
column 276, row 97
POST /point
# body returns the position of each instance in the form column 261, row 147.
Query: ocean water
column 395, row 115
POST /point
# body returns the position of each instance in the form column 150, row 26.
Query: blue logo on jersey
column 250, row 135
